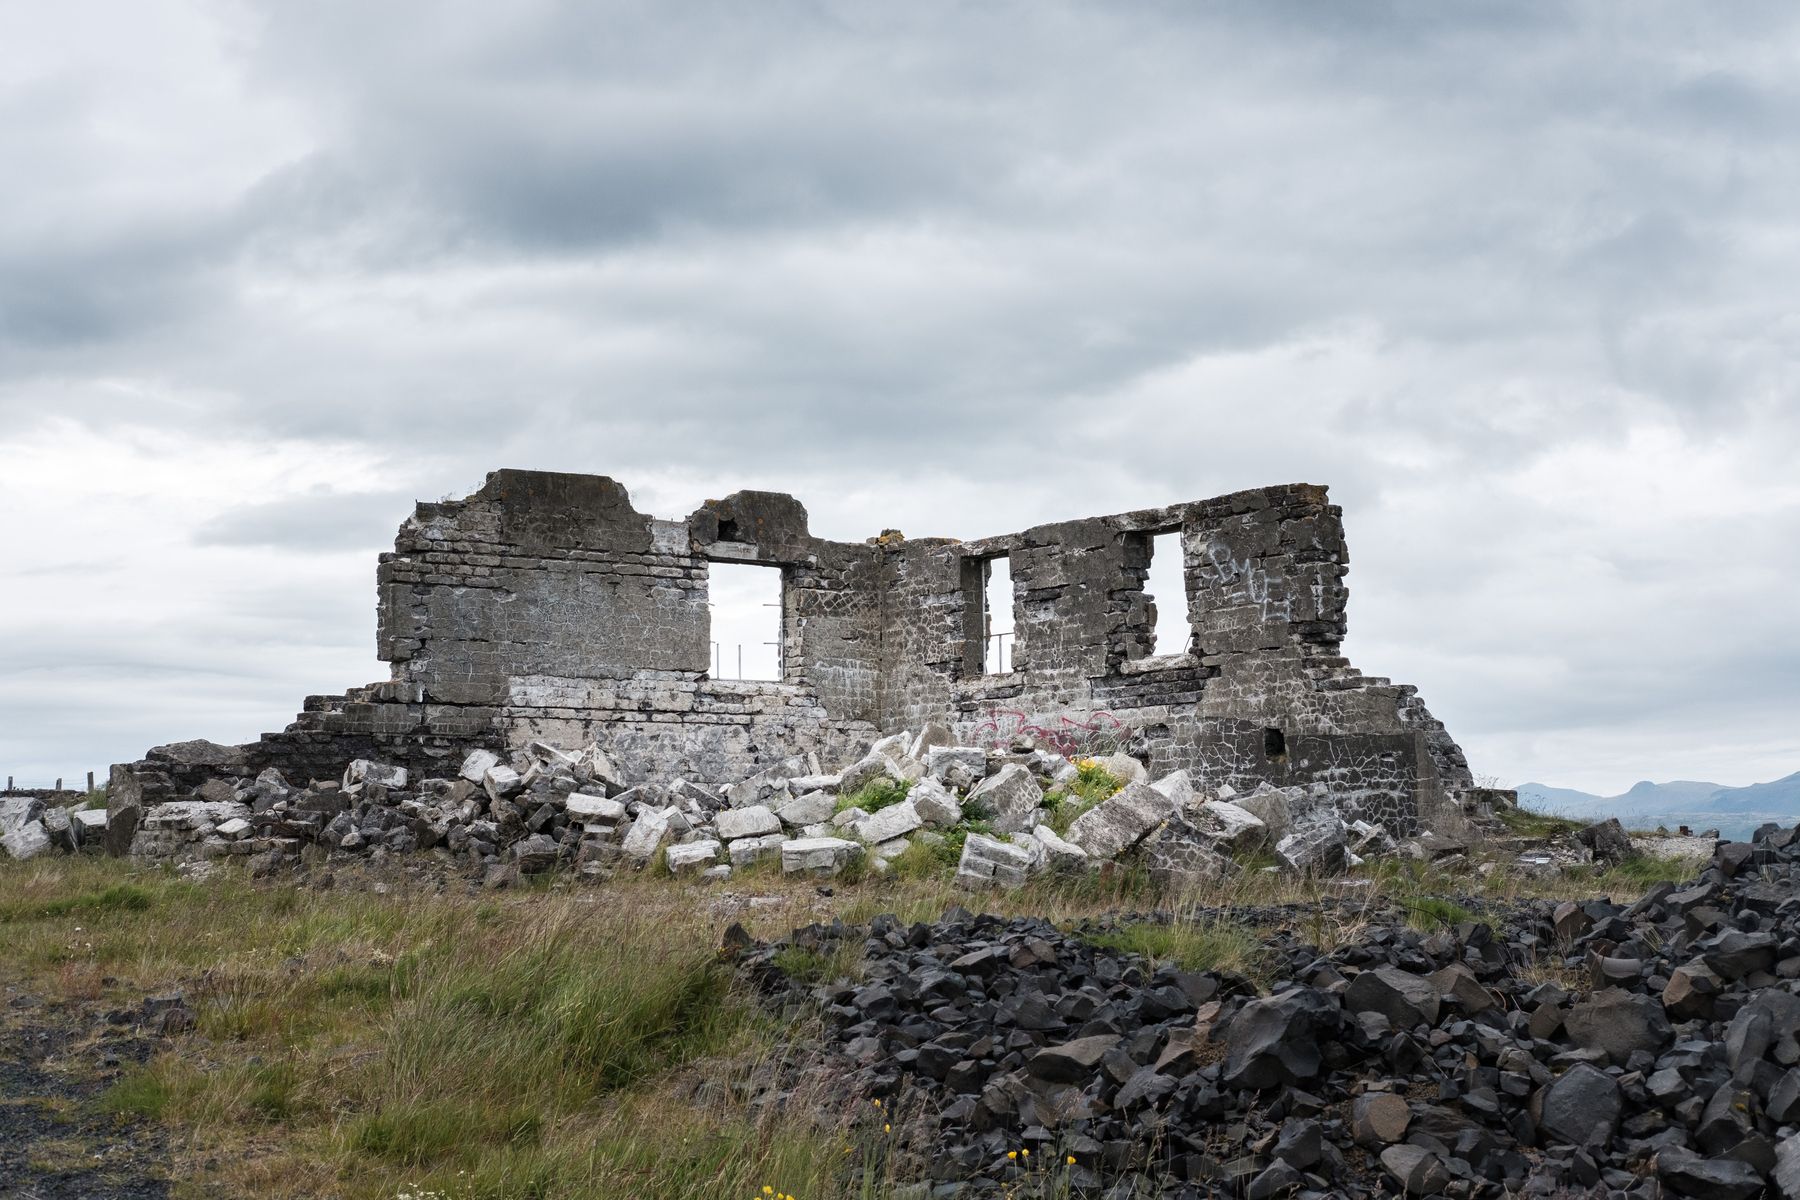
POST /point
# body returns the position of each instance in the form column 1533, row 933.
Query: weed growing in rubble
column 1092, row 784
column 1191, row 945
column 875, row 795
column 1433, row 912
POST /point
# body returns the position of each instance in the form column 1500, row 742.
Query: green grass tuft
column 876, row 795
column 1092, row 784
column 1526, row 823
column 119, row 897
column 1206, row 945
column 140, row 1093
column 1432, row 912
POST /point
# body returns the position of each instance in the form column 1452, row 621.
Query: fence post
column 90, row 781
column 59, row 783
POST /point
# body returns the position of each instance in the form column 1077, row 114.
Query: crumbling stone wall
column 545, row 606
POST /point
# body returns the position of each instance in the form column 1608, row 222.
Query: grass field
column 397, row 1037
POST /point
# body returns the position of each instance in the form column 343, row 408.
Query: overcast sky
column 1517, row 281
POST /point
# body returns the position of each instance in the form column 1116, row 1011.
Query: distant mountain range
column 1734, row 811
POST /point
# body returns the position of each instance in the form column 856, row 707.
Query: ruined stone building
column 544, row 606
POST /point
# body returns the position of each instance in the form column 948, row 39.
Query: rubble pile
column 998, row 816
column 1550, row 1049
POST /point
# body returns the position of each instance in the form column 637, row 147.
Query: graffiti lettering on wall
column 1227, row 572
column 1086, row 734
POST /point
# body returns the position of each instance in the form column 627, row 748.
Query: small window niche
column 744, row 603
column 988, row 622
column 1165, row 587
column 1274, row 744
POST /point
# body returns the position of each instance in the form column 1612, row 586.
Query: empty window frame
column 1166, row 587
column 744, row 603
column 988, row 619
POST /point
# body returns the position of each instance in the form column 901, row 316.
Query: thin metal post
column 740, row 660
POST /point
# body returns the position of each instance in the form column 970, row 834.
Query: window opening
column 1274, row 743
column 1166, row 586
column 997, row 617
column 744, row 603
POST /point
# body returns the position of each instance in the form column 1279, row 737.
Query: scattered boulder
column 1011, row 795
column 986, row 862
column 1608, row 841
column 1120, row 821
column 821, row 856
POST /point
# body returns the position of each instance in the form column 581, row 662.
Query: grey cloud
column 961, row 269
column 328, row 521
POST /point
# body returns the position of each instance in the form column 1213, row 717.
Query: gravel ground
column 54, row 1142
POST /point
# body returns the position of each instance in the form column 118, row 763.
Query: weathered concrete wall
column 546, row 606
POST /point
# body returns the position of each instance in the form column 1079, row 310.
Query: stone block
column 1271, row 805
column 647, row 834
column 476, row 766
column 1057, row 852
column 65, row 834
column 931, row 737
column 958, row 766
column 594, row 810
column 691, row 858
column 936, row 806
column 866, row 771
column 363, row 772
column 16, row 812
column 818, row 856
column 686, row 792
column 1178, row 786
column 811, row 808
column 751, row 850
column 501, row 781
column 1012, row 795
column 1120, row 821
column 535, row 853
column 1181, row 854
column 986, row 862
column 896, row 820
column 755, row 821
column 1315, row 843
column 1235, row 828
column 26, row 842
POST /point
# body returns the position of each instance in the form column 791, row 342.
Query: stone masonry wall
column 544, row 606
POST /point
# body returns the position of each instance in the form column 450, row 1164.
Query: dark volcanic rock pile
column 1550, row 1049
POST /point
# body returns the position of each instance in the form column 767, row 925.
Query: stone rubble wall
column 545, row 607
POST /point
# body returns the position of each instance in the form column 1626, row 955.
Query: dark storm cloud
column 1508, row 277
